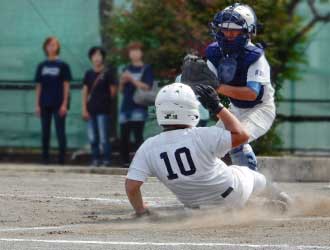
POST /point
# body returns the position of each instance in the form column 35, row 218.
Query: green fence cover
column 314, row 85
column 24, row 26
column 26, row 23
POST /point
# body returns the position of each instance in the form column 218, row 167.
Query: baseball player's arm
column 138, row 173
column 240, row 93
column 258, row 74
column 239, row 135
column 210, row 99
column 133, row 191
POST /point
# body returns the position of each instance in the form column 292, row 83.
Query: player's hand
column 143, row 213
column 209, row 98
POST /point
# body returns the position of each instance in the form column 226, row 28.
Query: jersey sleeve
column 217, row 140
column 85, row 79
column 37, row 76
column 66, row 72
column 259, row 71
column 139, row 169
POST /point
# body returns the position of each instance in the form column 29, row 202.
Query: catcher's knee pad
column 244, row 156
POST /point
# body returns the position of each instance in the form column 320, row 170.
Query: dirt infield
column 88, row 211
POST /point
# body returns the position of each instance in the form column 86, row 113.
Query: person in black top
column 52, row 96
column 100, row 87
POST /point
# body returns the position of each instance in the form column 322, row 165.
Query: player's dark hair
column 96, row 49
column 49, row 40
column 174, row 127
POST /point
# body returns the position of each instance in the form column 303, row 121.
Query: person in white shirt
column 186, row 159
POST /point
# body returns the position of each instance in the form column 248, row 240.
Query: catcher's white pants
column 246, row 182
column 257, row 120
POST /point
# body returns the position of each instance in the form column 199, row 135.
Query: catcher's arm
column 248, row 93
column 240, row 93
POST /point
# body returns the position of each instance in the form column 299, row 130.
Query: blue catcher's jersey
column 243, row 61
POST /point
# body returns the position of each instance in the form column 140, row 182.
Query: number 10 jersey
column 187, row 161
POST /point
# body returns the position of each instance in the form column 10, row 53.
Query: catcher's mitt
column 195, row 71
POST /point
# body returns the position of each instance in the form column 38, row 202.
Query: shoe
column 106, row 164
column 95, row 163
column 275, row 193
column 61, row 162
column 45, row 161
column 126, row 165
column 276, row 206
column 284, row 197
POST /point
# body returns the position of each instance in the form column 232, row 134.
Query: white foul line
column 18, row 229
column 72, row 226
column 173, row 244
column 153, row 201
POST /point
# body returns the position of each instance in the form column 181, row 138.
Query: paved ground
column 43, row 210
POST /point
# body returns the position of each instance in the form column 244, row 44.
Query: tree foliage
column 171, row 28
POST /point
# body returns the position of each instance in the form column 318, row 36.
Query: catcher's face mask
column 235, row 17
column 231, row 34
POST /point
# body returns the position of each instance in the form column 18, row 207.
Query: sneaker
column 95, row 163
column 126, row 165
column 106, row 164
column 45, row 162
column 276, row 206
column 275, row 193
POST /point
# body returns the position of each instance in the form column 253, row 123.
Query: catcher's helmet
column 235, row 17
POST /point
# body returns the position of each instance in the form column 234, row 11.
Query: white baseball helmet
column 177, row 104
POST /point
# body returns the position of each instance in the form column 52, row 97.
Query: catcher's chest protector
column 233, row 69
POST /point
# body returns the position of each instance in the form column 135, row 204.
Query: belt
column 227, row 192
column 223, row 195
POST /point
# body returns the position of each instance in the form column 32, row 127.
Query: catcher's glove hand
column 195, row 71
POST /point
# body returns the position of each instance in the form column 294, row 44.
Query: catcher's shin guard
column 244, row 156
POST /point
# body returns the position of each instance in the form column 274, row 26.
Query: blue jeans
column 98, row 133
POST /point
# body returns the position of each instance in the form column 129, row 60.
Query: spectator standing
column 52, row 78
column 99, row 89
column 132, row 118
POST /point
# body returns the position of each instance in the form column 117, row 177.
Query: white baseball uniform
column 187, row 161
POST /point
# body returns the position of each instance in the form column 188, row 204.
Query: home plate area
column 90, row 211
